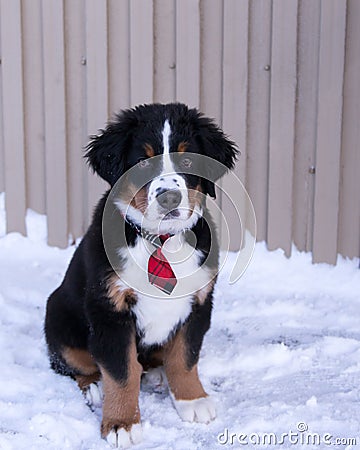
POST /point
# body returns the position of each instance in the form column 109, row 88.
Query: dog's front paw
column 121, row 436
column 199, row 410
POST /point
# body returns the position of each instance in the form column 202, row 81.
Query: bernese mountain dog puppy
column 139, row 289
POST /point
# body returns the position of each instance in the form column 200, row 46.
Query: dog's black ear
column 106, row 152
column 216, row 145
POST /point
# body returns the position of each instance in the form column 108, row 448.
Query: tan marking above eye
column 149, row 150
column 182, row 147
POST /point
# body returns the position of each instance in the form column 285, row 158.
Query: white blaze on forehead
column 166, row 132
column 167, row 164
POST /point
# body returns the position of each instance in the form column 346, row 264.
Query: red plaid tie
column 160, row 272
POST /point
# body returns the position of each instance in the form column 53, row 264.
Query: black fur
column 119, row 146
column 79, row 313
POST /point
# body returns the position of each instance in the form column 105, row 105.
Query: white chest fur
column 157, row 314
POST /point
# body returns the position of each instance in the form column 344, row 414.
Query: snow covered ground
column 282, row 357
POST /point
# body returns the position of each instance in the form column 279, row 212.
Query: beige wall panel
column 13, row 120
column 188, row 52
column 235, row 84
column 2, row 150
column 141, row 52
column 55, row 125
column 164, row 51
column 75, row 76
column 259, row 110
column 349, row 206
column 211, row 46
column 34, row 105
column 97, row 87
column 305, row 122
column 119, row 55
column 281, row 77
column 282, row 124
column 331, row 71
column 211, row 57
column 235, row 76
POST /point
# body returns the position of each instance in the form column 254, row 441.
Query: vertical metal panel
column 2, row 149
column 188, row 52
column 305, row 124
column 141, row 51
column 119, row 54
column 13, row 121
column 97, row 86
column 282, row 124
column 55, row 126
column 234, row 107
column 259, row 110
column 34, row 105
column 238, row 60
column 349, row 205
column 75, row 77
column 331, row 70
column 235, row 76
column 164, row 51
column 211, row 59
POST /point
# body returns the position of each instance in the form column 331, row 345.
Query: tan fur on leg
column 121, row 408
column 84, row 381
column 184, row 383
column 80, row 360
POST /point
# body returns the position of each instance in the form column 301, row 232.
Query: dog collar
column 160, row 273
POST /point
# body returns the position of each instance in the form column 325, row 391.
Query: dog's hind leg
column 87, row 374
column 66, row 332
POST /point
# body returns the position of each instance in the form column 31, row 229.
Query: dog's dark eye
column 143, row 163
column 186, row 163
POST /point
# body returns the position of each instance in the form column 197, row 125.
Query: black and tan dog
column 111, row 323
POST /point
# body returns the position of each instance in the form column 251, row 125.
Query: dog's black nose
column 168, row 199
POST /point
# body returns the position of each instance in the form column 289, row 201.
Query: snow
column 282, row 356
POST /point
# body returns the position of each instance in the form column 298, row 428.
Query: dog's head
column 154, row 151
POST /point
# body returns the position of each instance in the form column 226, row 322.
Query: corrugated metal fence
column 281, row 76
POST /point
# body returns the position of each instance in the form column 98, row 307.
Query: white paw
column 155, row 379
column 94, row 395
column 199, row 410
column 124, row 439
